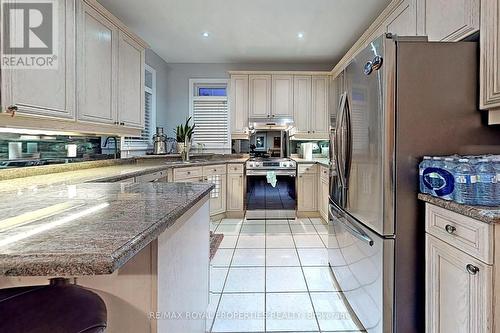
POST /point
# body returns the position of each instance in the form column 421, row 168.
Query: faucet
column 115, row 155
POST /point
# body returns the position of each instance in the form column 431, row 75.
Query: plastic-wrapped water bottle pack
column 469, row 180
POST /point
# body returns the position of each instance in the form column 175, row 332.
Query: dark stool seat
column 56, row 308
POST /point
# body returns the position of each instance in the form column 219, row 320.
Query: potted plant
column 184, row 133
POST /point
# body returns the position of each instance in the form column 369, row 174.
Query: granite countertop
column 86, row 229
column 481, row 213
column 321, row 161
column 100, row 172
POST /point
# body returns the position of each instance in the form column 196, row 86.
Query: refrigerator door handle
column 338, row 141
column 348, row 153
column 351, row 228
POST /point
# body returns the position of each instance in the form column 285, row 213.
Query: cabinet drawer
column 186, row 173
column 471, row 236
column 307, row 168
column 219, row 169
column 235, row 168
column 324, row 172
column 151, row 177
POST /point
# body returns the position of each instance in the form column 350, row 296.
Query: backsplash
column 20, row 150
column 295, row 146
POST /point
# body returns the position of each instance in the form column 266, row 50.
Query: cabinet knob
column 473, row 270
column 122, row 124
column 116, row 123
column 450, row 229
column 189, row 172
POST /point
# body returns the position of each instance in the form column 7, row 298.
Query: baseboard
column 235, row 214
column 308, row 214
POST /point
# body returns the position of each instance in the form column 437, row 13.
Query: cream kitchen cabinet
column 311, row 107
column 319, row 110
column 130, row 82
column 307, row 188
column 216, row 174
column 235, row 189
column 238, row 105
column 490, row 59
column 282, row 96
column 259, row 95
column 459, row 273
column 46, row 92
column 450, row 20
column 323, row 191
column 403, row 20
column 302, row 104
column 110, row 69
column 97, row 39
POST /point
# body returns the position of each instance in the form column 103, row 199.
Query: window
column 145, row 140
column 209, row 110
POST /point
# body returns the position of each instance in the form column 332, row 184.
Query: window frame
column 194, row 84
column 143, row 144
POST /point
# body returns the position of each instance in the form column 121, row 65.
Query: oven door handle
column 291, row 173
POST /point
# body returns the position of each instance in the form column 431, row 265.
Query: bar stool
column 59, row 307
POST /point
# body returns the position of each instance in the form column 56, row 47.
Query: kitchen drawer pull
column 450, row 229
column 189, row 172
column 473, row 270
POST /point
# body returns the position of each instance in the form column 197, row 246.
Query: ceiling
column 248, row 31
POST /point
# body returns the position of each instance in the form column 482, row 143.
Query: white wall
column 177, row 89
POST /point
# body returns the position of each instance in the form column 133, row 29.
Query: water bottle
column 426, row 162
column 496, row 167
column 486, row 183
column 437, row 179
column 449, row 166
column 465, row 183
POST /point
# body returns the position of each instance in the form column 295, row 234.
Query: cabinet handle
column 123, row 124
column 117, row 123
column 450, row 229
column 473, row 270
column 189, row 172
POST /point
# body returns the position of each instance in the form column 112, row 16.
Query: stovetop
column 271, row 163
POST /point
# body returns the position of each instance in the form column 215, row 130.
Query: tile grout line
column 225, row 279
column 307, row 285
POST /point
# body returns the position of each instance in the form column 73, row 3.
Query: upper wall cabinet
column 311, row 107
column 97, row 65
column 490, row 59
column 450, row 20
column 238, row 104
column 110, row 69
column 130, row 82
column 46, row 92
column 282, row 96
column 259, row 96
column 402, row 21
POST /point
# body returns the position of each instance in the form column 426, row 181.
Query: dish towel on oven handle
column 271, row 178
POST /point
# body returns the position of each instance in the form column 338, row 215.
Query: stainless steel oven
column 266, row 198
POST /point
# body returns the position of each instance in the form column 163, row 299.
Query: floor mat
column 215, row 240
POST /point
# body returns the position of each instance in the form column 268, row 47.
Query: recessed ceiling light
column 205, row 34
column 300, row 35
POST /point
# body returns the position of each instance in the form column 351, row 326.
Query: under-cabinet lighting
column 300, row 35
column 36, row 132
column 206, row 34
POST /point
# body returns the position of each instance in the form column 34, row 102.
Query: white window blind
column 211, row 116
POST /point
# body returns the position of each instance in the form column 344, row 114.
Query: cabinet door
column 302, row 86
column 260, row 96
column 319, row 114
column 130, row 82
column 458, row 300
column 235, row 192
column 47, row 92
column 307, row 192
column 218, row 194
column 323, row 203
column 403, row 20
column 282, row 89
column 450, row 20
column 238, row 103
column 96, row 62
column 490, row 58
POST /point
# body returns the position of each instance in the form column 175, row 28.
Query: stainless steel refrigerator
column 399, row 99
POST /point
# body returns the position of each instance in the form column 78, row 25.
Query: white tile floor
column 273, row 276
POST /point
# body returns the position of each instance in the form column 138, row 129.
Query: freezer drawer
column 363, row 264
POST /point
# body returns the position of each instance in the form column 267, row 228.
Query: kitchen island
column 137, row 245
